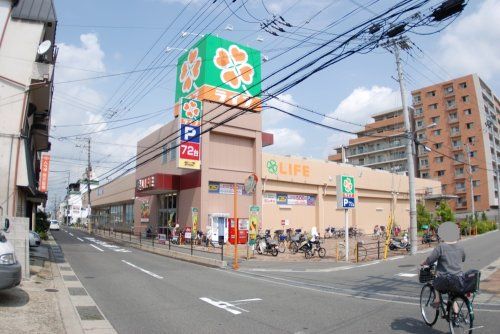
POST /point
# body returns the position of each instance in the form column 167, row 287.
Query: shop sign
column 269, row 198
column 190, row 129
column 297, row 200
column 291, row 199
column 282, row 199
column 194, row 220
column 219, row 70
column 346, row 192
column 146, row 183
column 187, row 233
column 162, row 238
column 287, row 169
column 44, row 173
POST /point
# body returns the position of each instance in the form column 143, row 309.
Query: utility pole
column 471, row 182
column 489, row 125
column 89, row 170
column 394, row 45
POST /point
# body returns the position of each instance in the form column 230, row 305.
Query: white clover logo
column 235, row 70
column 190, row 70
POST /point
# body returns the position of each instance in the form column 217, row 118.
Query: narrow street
column 139, row 292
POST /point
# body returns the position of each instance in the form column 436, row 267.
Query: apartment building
column 465, row 111
column 27, row 58
column 379, row 145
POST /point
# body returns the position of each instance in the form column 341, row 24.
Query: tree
column 423, row 216
column 444, row 213
column 483, row 216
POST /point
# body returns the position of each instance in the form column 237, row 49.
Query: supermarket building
column 170, row 187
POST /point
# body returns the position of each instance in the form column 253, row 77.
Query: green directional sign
column 346, row 192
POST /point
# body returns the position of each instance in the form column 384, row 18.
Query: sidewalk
column 33, row 307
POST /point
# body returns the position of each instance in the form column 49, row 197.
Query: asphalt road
column 141, row 292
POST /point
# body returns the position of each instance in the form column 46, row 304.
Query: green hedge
column 485, row 226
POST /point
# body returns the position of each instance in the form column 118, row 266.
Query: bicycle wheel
column 321, row 252
column 362, row 253
column 308, row 254
column 274, row 252
column 281, row 246
column 295, row 248
column 462, row 321
column 427, row 297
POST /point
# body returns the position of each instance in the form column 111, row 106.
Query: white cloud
column 357, row 108
column 471, row 44
column 286, row 141
column 273, row 116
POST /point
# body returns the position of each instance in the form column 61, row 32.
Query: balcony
column 452, row 120
column 460, row 190
column 377, row 149
column 418, row 114
column 42, row 72
column 461, row 206
column 459, row 161
column 455, row 133
column 460, row 176
column 456, row 147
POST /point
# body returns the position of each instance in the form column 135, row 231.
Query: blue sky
column 105, row 37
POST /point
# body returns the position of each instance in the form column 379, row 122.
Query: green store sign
column 219, row 70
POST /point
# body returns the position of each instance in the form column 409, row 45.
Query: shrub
column 485, row 226
column 42, row 223
column 483, row 216
column 43, row 235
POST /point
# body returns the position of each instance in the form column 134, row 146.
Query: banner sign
column 44, row 173
column 289, row 199
column 219, row 70
column 194, row 220
column 225, row 188
column 190, row 130
column 145, row 209
column 254, row 223
column 346, row 192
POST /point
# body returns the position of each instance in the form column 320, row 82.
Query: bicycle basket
column 472, row 279
column 425, row 275
column 282, row 237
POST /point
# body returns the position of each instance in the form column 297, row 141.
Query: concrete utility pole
column 394, row 45
column 489, row 125
column 89, row 170
column 471, row 182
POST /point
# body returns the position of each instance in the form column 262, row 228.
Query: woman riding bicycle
column 449, row 256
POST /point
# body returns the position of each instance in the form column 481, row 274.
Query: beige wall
column 118, row 191
column 373, row 201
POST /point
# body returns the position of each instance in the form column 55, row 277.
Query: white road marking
column 396, row 258
column 490, row 269
column 71, row 234
column 80, row 239
column 109, row 246
column 406, row 275
column 143, row 270
column 96, row 247
column 229, row 306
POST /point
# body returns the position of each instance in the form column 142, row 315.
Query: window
column 436, row 132
column 424, row 175
column 416, row 99
column 471, row 140
column 461, row 202
column 420, row 124
column 462, row 85
column 468, row 112
column 433, row 106
column 473, row 154
column 465, row 98
column 424, row 162
column 418, row 111
column 450, row 103
column 460, row 186
column 458, row 157
column 455, row 130
column 448, row 90
column 438, row 159
column 116, row 212
column 453, row 116
column 475, row 183
column 431, row 93
column 470, row 125
column 164, row 154
column 443, row 188
column 440, row 172
column 477, row 198
column 129, row 214
column 438, row 146
column 459, row 171
column 473, row 169
column 435, row 119
column 456, row 143
column 173, row 151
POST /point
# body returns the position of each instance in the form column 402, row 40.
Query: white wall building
column 26, row 85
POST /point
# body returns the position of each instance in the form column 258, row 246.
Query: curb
column 169, row 253
column 79, row 312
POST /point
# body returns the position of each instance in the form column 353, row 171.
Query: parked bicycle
column 457, row 309
column 316, row 248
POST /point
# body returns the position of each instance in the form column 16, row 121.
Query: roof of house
column 34, row 10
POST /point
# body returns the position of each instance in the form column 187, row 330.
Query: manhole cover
column 51, row 290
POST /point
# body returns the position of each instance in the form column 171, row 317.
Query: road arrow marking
column 80, row 239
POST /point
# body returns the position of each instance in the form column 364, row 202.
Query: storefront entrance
column 167, row 212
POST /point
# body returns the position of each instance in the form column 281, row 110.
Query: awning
column 25, row 170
